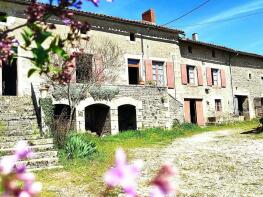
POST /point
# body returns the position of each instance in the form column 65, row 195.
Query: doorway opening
column 127, row 117
column 193, row 114
column 9, row 78
column 97, row 119
column 242, row 106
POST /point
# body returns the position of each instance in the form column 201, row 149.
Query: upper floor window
column 218, row 105
column 158, row 72
column 191, row 74
column 3, row 17
column 215, row 77
column 190, row 49
column 132, row 37
column 84, row 68
column 213, row 53
column 133, row 71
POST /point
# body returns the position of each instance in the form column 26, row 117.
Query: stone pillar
column 80, row 120
column 114, row 121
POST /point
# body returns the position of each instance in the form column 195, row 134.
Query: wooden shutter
column 187, row 116
column 99, row 70
column 148, row 68
column 170, row 74
column 223, row 78
column 200, row 113
column 199, row 76
column 184, row 74
column 209, row 76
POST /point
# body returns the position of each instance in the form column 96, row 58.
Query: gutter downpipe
column 142, row 74
column 231, row 76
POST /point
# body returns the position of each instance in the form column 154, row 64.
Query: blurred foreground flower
column 123, row 174
column 162, row 183
column 15, row 180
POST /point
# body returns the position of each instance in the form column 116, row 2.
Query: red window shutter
column 148, row 68
column 223, row 78
column 200, row 75
column 170, row 74
column 99, row 70
column 187, row 116
column 184, row 74
column 209, row 76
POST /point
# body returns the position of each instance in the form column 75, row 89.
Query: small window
column 191, row 75
column 213, row 53
column 249, row 76
column 215, row 77
column 132, row 37
column 218, row 105
column 190, row 49
column 3, row 17
column 158, row 72
column 133, row 71
column 262, row 81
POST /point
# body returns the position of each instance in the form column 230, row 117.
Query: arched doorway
column 127, row 117
column 97, row 119
column 61, row 111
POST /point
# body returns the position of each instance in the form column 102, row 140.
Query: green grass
column 88, row 173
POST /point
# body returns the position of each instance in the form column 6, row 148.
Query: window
column 3, row 17
column 218, row 105
column 158, row 72
column 133, row 71
column 190, row 49
column 262, row 81
column 191, row 74
column 84, row 68
column 132, row 37
column 249, row 76
column 215, row 77
column 213, row 53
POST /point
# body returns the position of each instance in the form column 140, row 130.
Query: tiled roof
column 221, row 47
column 144, row 24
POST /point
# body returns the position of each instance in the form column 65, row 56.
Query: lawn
column 86, row 175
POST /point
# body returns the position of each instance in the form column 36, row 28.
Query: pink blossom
column 7, row 164
column 22, row 150
column 162, row 184
column 124, row 174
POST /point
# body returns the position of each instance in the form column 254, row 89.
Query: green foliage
column 104, row 92
column 48, row 109
column 78, row 147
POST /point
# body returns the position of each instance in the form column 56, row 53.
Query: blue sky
column 245, row 33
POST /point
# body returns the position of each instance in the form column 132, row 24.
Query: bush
column 78, row 147
column 184, row 126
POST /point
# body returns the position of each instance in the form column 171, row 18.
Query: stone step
column 30, row 142
column 46, row 168
column 39, row 163
column 19, row 138
column 41, row 155
column 18, row 132
column 37, row 148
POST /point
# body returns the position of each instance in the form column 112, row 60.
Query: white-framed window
column 158, row 72
column 191, row 74
column 215, row 77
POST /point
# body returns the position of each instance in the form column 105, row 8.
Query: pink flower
column 22, row 150
column 7, row 164
column 162, row 184
column 123, row 174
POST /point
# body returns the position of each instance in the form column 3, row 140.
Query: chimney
column 149, row 16
column 195, row 36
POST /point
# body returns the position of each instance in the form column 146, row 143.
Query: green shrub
column 189, row 126
column 78, row 147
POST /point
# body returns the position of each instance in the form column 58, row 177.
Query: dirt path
column 222, row 163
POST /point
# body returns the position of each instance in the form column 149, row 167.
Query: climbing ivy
column 48, row 109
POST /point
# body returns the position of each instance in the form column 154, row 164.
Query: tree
column 97, row 64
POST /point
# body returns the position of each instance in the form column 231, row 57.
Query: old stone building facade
column 163, row 77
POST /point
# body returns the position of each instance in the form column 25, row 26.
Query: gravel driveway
column 221, row 163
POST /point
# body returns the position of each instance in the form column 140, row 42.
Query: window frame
column 218, row 105
column 194, row 72
column 217, row 76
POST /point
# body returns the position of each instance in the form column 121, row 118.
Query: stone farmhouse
column 164, row 76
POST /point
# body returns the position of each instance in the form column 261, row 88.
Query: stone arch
column 98, row 119
column 127, row 119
